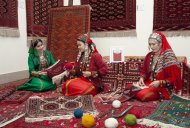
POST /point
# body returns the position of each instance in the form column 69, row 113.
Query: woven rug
column 5, row 92
column 10, row 113
column 17, row 97
column 55, row 108
column 144, row 108
column 121, row 74
column 65, row 25
column 112, row 17
column 172, row 17
column 174, row 113
column 37, row 16
column 9, row 18
column 186, row 80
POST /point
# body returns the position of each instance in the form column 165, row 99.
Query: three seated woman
column 160, row 72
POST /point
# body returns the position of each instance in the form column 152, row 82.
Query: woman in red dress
column 160, row 72
column 89, row 68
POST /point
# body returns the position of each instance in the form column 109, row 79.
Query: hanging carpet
column 9, row 18
column 112, row 17
column 172, row 17
column 65, row 25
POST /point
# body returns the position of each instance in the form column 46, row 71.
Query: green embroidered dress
column 39, row 83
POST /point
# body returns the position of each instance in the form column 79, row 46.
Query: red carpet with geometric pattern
column 37, row 16
column 65, row 25
column 9, row 18
column 121, row 74
column 112, row 15
column 172, row 16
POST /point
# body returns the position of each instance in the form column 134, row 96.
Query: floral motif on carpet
column 37, row 16
column 9, row 18
column 172, row 16
column 65, row 25
column 112, row 15
column 174, row 113
column 62, row 107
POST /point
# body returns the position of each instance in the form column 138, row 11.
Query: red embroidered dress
column 89, row 60
column 166, row 69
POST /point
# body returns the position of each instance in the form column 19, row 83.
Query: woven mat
column 65, row 25
column 172, row 17
column 55, row 108
column 173, row 113
column 9, row 18
column 115, row 16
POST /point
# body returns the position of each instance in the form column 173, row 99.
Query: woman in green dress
column 38, row 60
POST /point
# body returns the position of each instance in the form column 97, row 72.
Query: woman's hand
column 86, row 73
column 155, row 84
column 141, row 82
column 43, row 73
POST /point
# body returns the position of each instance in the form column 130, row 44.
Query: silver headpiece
column 156, row 37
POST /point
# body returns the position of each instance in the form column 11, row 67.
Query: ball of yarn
column 116, row 103
column 88, row 121
column 78, row 113
column 130, row 119
column 111, row 123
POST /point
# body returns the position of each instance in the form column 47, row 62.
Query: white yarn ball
column 116, row 103
column 111, row 123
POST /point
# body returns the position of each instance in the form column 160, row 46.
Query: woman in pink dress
column 88, row 70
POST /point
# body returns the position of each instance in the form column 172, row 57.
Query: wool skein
column 116, row 103
column 88, row 121
column 78, row 113
column 130, row 119
column 111, row 123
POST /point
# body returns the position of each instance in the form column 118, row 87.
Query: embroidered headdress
column 83, row 38
column 89, row 47
column 155, row 36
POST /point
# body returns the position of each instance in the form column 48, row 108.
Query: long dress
column 39, row 83
column 166, row 69
column 91, row 85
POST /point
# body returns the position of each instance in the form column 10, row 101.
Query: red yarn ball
column 68, row 66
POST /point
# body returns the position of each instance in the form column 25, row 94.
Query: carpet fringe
column 183, row 33
column 8, row 122
column 128, row 33
column 30, row 120
column 29, row 39
column 47, row 118
column 9, row 32
column 182, row 97
column 148, row 122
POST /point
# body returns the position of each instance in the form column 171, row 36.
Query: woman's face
column 81, row 46
column 154, row 46
column 39, row 46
